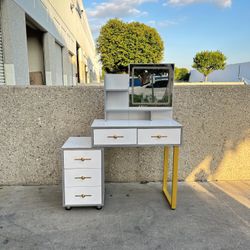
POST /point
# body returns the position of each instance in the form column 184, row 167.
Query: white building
column 232, row 73
column 46, row 42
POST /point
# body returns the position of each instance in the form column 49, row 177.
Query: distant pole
column 239, row 72
column 152, row 84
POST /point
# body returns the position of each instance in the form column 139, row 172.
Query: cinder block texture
column 216, row 140
column 35, row 122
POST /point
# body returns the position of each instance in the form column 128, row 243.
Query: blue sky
column 186, row 26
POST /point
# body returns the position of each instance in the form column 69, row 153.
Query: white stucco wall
column 232, row 73
column 59, row 64
column 15, row 51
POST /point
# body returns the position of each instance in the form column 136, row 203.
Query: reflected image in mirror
column 151, row 85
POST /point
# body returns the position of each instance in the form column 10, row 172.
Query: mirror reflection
column 151, row 85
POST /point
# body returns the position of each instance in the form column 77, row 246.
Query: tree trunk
column 206, row 78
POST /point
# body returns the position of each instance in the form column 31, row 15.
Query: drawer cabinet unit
column 82, row 159
column 169, row 136
column 82, row 177
column 115, row 137
column 83, row 173
column 83, row 196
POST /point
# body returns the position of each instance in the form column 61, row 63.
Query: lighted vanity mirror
column 151, row 85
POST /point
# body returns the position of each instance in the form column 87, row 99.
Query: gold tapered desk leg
column 173, row 197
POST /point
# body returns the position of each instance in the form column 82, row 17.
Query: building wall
column 59, row 19
column 15, row 50
column 2, row 76
column 58, row 60
column 232, row 73
column 36, row 121
column 68, row 68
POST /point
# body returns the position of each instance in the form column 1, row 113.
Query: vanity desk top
column 169, row 123
column 108, row 133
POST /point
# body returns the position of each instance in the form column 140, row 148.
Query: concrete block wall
column 35, row 122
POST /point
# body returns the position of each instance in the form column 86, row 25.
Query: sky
column 186, row 26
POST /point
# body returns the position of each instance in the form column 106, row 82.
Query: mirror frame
column 169, row 67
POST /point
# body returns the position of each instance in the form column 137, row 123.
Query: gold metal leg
column 165, row 169
column 175, row 177
column 173, row 197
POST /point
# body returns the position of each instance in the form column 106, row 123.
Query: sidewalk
column 135, row 217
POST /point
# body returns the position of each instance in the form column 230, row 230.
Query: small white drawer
column 170, row 136
column 82, row 158
column 83, row 196
column 115, row 136
column 82, row 177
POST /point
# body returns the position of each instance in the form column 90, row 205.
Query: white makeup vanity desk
column 123, row 126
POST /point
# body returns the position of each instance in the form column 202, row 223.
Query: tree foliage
column 208, row 61
column 181, row 74
column 120, row 44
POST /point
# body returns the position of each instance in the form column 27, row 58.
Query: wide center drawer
column 82, row 158
column 82, row 177
column 83, row 196
column 115, row 136
column 169, row 136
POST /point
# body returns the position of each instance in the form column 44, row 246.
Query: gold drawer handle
column 83, row 195
column 82, row 177
column 158, row 136
column 82, row 159
column 115, row 136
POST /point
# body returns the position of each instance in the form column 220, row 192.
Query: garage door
column 1, row 60
column 58, row 63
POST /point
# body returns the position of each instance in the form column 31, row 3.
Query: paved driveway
column 135, row 217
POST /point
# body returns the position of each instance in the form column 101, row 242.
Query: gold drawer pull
column 82, row 177
column 115, row 136
column 158, row 136
column 82, row 159
column 83, row 195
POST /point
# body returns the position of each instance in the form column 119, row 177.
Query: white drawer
column 83, row 196
column 170, row 136
column 115, row 136
column 82, row 177
column 82, row 158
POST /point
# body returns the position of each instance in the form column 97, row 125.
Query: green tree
column 181, row 74
column 208, row 61
column 120, row 44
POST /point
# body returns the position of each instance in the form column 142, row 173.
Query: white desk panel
column 77, row 142
column 101, row 123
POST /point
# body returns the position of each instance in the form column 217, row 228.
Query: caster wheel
column 99, row 207
column 68, row 208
